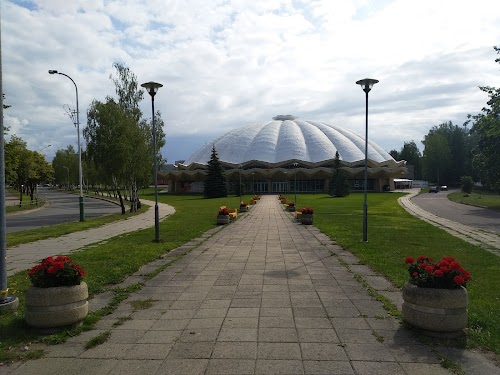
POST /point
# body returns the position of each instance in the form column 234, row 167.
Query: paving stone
column 149, row 351
column 380, row 368
column 237, row 334
column 327, row 351
column 279, row 367
column 183, row 367
column 243, row 312
column 328, row 368
column 231, row 366
column 136, row 366
column 277, row 335
column 235, row 350
column 186, row 350
column 317, row 335
column 278, row 351
column 368, row 352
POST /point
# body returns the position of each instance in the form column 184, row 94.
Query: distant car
column 444, row 187
column 433, row 189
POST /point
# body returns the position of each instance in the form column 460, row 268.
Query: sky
column 226, row 64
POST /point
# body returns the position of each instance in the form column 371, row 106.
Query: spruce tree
column 215, row 183
column 339, row 186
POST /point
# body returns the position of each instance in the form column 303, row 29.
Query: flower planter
column 291, row 208
column 57, row 306
column 243, row 208
column 306, row 219
column 222, row 219
column 438, row 312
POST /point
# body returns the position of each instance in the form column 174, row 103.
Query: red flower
column 454, row 266
column 421, row 258
column 415, row 274
column 438, row 273
column 445, row 269
column 429, row 269
column 459, row 280
column 409, row 260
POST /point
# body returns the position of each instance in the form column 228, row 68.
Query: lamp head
column 53, row 72
column 366, row 84
column 152, row 87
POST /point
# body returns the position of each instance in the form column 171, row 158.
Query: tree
column 437, row 157
column 25, row 168
column 467, row 184
column 412, row 155
column 13, row 153
column 63, row 159
column 340, row 180
column 215, row 182
column 119, row 141
column 486, row 127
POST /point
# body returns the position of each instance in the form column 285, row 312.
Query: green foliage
column 486, row 127
column 412, row 155
column 339, row 186
column 467, row 184
column 65, row 165
column 437, row 156
column 25, row 168
column 119, row 141
column 215, row 182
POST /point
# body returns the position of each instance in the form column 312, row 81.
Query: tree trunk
column 122, row 205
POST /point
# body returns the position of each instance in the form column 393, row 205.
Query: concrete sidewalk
column 264, row 295
column 24, row 256
column 476, row 236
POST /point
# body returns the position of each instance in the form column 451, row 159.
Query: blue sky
column 225, row 64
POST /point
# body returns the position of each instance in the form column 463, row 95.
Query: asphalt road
column 439, row 205
column 61, row 208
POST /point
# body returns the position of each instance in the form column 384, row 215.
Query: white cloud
column 227, row 63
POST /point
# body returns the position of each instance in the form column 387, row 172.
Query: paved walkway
column 476, row 236
column 263, row 295
column 25, row 256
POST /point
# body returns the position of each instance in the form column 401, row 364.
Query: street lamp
column 239, row 187
column 152, row 88
column 295, row 165
column 43, row 148
column 253, row 183
column 80, row 174
column 366, row 84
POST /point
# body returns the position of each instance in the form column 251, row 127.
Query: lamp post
column 366, row 84
column 80, row 174
column 239, row 187
column 295, row 165
column 152, row 88
column 43, row 148
column 253, row 183
column 21, row 197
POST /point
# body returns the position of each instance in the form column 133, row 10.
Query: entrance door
column 280, row 187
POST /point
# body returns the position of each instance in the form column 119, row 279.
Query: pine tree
column 215, row 183
column 340, row 180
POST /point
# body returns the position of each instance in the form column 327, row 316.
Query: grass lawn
column 393, row 234
column 112, row 262
column 477, row 198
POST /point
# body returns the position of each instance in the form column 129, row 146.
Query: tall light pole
column 80, row 174
column 7, row 301
column 152, row 88
column 239, row 187
column 295, row 165
column 366, row 85
column 43, row 148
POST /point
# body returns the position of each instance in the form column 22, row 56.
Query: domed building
column 287, row 155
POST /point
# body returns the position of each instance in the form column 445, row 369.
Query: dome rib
column 287, row 138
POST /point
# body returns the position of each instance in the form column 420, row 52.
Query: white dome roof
column 287, row 138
